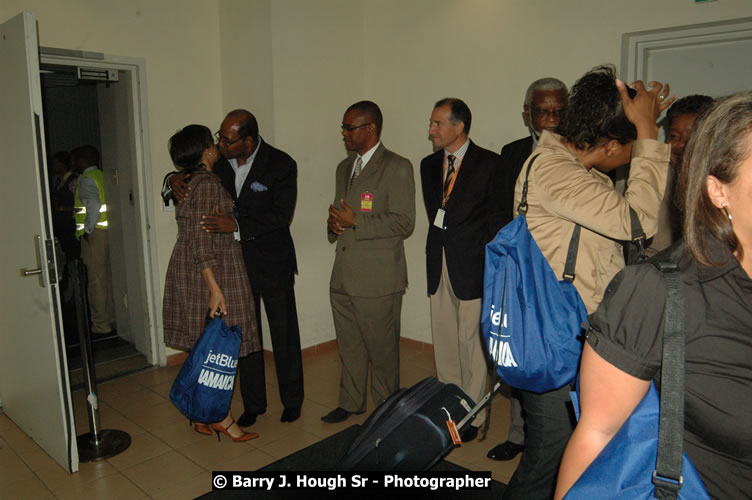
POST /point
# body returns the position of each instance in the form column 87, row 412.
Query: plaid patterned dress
column 186, row 296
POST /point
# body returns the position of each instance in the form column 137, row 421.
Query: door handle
column 40, row 258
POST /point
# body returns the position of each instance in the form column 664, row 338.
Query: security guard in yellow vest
column 80, row 211
column 90, row 212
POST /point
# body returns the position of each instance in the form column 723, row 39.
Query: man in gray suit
column 373, row 212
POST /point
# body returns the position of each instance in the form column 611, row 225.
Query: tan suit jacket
column 562, row 193
column 370, row 260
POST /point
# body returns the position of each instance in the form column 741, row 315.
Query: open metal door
column 34, row 387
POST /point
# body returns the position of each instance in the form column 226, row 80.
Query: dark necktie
column 450, row 174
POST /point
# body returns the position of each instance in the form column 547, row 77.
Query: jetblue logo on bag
column 214, row 377
column 498, row 348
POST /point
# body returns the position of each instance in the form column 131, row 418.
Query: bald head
column 239, row 135
column 245, row 123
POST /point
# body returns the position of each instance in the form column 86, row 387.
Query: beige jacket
column 562, row 192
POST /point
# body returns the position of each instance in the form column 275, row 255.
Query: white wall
column 405, row 55
column 246, row 61
column 297, row 64
column 298, row 80
column 318, row 72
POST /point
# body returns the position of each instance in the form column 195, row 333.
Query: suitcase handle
column 471, row 414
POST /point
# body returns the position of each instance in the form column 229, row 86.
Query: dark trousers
column 549, row 418
column 283, row 328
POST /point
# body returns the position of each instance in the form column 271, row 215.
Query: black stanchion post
column 97, row 444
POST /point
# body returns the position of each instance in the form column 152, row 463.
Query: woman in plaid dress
column 206, row 274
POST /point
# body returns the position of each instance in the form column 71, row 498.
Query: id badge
column 366, row 202
column 439, row 220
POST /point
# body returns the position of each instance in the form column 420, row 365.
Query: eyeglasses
column 350, row 128
column 220, row 139
column 545, row 113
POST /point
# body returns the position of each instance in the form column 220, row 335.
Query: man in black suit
column 545, row 102
column 465, row 211
column 263, row 182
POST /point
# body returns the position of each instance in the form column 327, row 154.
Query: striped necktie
column 356, row 169
column 450, row 174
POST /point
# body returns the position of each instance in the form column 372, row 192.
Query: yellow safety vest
column 79, row 210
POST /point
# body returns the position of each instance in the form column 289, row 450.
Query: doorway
column 90, row 100
column 695, row 59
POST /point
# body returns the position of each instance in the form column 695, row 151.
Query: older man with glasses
column 545, row 103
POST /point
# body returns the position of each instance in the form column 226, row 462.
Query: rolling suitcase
column 409, row 431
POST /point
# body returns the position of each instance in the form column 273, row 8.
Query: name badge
column 439, row 220
column 366, row 202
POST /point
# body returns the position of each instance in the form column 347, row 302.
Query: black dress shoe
column 247, row 419
column 470, row 433
column 505, row 451
column 290, row 414
column 338, row 414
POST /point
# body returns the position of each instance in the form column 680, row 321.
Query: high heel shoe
column 201, row 428
column 246, row 436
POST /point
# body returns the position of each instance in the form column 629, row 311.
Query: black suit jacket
column 474, row 214
column 264, row 211
column 513, row 156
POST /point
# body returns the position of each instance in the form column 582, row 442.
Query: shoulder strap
column 574, row 242
column 571, row 262
column 667, row 474
column 637, row 232
column 638, row 235
column 522, row 207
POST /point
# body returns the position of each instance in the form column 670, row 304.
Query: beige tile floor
column 167, row 459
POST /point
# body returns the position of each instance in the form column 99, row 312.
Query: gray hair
column 543, row 84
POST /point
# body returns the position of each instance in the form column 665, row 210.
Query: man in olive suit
column 373, row 212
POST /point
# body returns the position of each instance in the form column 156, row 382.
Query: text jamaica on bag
column 203, row 389
column 531, row 321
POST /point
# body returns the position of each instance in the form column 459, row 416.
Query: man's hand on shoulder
column 178, row 183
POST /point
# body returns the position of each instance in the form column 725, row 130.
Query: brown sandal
column 202, row 428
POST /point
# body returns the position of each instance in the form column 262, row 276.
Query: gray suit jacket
column 370, row 260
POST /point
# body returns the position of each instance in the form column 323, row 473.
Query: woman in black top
column 623, row 350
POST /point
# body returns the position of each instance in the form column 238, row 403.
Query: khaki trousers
column 457, row 343
column 95, row 252
column 368, row 332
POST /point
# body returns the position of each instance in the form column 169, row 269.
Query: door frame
column 637, row 48
column 143, row 185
